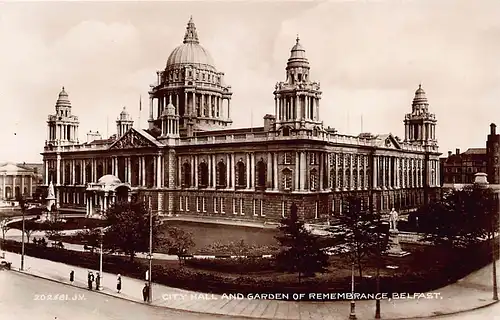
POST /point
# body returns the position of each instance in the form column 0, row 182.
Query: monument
column 51, row 201
column 394, row 246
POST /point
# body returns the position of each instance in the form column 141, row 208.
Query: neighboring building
column 460, row 168
column 191, row 162
column 19, row 180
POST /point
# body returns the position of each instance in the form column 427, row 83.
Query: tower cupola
column 62, row 126
column 170, row 122
column 123, row 123
column 420, row 124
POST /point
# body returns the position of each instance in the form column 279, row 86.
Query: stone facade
column 19, row 180
column 191, row 162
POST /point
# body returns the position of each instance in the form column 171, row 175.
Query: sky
column 369, row 57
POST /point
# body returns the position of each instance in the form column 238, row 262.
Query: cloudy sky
column 368, row 56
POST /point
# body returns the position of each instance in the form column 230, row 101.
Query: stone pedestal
column 394, row 246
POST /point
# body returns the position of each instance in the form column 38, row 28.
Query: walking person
column 145, row 292
column 90, row 279
column 72, row 276
column 98, row 281
column 119, row 283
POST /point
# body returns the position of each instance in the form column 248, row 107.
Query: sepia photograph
column 275, row 160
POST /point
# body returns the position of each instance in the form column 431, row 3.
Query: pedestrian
column 145, row 292
column 119, row 283
column 89, row 280
column 97, row 281
column 72, row 276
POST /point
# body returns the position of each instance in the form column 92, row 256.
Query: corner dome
column 63, row 99
column 108, row 179
column 420, row 96
column 190, row 52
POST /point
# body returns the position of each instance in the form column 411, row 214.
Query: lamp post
column 101, row 236
column 150, row 255
column 21, row 202
column 352, row 314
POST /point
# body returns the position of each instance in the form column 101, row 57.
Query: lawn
column 206, row 234
column 70, row 224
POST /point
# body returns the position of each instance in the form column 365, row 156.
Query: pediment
column 389, row 142
column 132, row 140
column 11, row 168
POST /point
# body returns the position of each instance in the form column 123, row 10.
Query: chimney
column 457, row 151
column 449, row 154
column 493, row 129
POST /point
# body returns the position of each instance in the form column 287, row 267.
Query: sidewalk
column 472, row 292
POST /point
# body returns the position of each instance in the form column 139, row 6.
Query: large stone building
column 191, row 162
column 18, row 180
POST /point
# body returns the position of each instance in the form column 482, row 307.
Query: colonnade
column 62, row 131
column 12, row 184
column 300, row 106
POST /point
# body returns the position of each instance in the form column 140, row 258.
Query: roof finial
column 298, row 39
column 420, row 85
column 63, row 88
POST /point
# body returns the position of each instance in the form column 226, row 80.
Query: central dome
column 191, row 52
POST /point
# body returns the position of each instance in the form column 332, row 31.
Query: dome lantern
column 191, row 35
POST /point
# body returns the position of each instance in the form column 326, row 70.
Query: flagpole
column 138, row 126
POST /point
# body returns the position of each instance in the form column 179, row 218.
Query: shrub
column 232, row 265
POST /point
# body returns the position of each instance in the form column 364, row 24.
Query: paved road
column 23, row 297
column 488, row 313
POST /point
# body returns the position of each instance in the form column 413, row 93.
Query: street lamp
column 101, row 236
column 21, row 202
column 352, row 314
column 150, row 255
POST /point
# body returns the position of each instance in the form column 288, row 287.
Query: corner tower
column 420, row 124
column 193, row 86
column 62, row 127
column 297, row 99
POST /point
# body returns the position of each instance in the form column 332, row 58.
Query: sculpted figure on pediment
column 130, row 141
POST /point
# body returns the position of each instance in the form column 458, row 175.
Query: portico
column 101, row 195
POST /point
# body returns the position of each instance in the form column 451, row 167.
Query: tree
column 180, row 241
column 29, row 227
column 361, row 233
column 129, row 228
column 463, row 217
column 301, row 251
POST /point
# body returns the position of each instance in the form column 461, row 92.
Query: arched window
column 347, row 182
column 67, row 175
column 287, row 179
column 25, row 192
column 186, row 175
column 78, row 175
column 88, row 173
column 340, row 179
column 261, row 173
column 313, row 179
column 240, row 174
column 221, row 175
column 333, row 181
column 355, row 178
column 203, row 174
column 362, row 179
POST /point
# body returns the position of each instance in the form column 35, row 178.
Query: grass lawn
column 206, row 234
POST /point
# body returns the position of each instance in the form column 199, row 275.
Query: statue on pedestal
column 393, row 220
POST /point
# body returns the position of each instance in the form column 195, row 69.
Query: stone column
column 158, row 171
column 252, row 170
column 129, row 171
column 214, row 171
column 58, row 170
column 228, row 172
column 321, row 170
column 196, row 171
column 105, row 201
column 179, row 172
column 375, row 172
column 46, row 167
column 275, row 171
column 143, row 167
column 4, row 194
column 247, row 156
column 233, row 177
column 351, row 169
column 297, row 171
column 73, row 173
column 365, row 173
column 269, row 175
column 303, row 171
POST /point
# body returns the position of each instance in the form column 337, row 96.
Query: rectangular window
column 262, row 208
column 180, row 203
column 241, row 207
column 222, row 205
column 255, row 207
column 234, row 206
column 187, row 203
column 215, row 204
column 204, row 204
column 198, row 204
column 288, row 158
